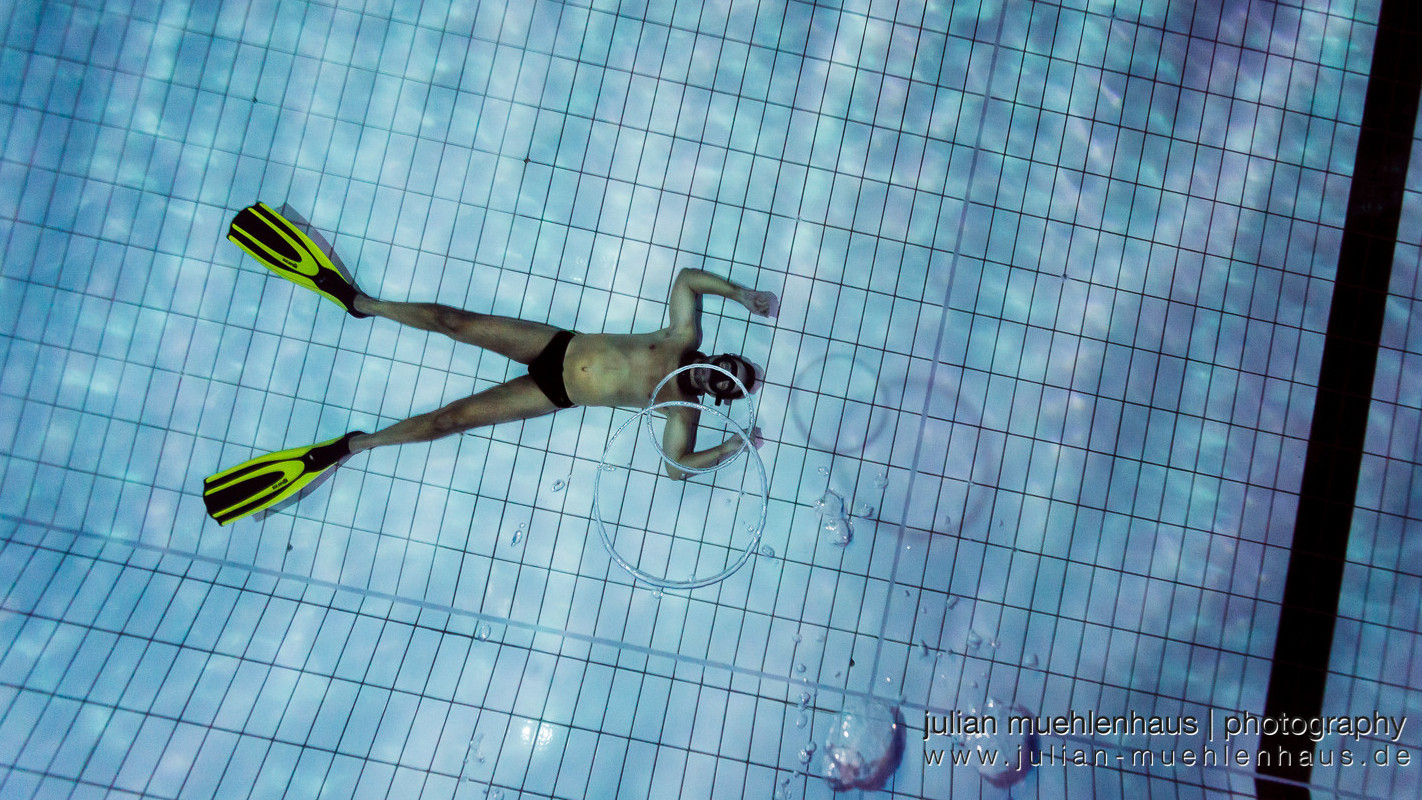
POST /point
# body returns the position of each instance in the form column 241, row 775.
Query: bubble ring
column 692, row 583
column 746, row 445
column 750, row 423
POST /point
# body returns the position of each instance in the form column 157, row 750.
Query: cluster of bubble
column 834, row 522
column 864, row 746
column 1008, row 752
column 473, row 751
column 747, row 446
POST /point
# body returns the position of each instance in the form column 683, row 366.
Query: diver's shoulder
column 681, row 337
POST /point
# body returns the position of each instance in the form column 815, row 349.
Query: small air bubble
column 800, row 669
column 807, row 753
column 484, row 631
column 839, row 532
column 830, row 504
column 767, row 551
column 559, row 485
column 474, row 749
column 1032, row 661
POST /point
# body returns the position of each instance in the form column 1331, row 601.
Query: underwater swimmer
column 565, row 369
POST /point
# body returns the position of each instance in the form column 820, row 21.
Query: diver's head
column 717, row 384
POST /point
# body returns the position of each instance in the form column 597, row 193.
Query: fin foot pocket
column 271, row 239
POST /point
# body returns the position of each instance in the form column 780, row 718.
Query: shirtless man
column 566, row 369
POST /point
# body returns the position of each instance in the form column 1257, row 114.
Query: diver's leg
column 517, row 399
column 516, row 339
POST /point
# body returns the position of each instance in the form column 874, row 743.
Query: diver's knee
column 446, row 320
column 450, row 420
column 455, row 322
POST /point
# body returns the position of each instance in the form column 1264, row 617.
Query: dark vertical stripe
column 1345, row 384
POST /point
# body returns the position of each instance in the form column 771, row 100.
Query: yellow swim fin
column 271, row 239
column 267, row 480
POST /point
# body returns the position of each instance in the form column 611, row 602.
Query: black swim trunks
column 547, row 369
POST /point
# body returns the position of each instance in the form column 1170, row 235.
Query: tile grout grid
column 1101, row 448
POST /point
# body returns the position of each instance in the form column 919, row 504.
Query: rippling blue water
column 1053, row 277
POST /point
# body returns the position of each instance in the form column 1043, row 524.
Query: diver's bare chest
column 618, row 369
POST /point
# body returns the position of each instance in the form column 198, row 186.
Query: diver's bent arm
column 685, row 300
column 705, row 459
column 684, row 304
column 702, row 282
column 679, row 438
